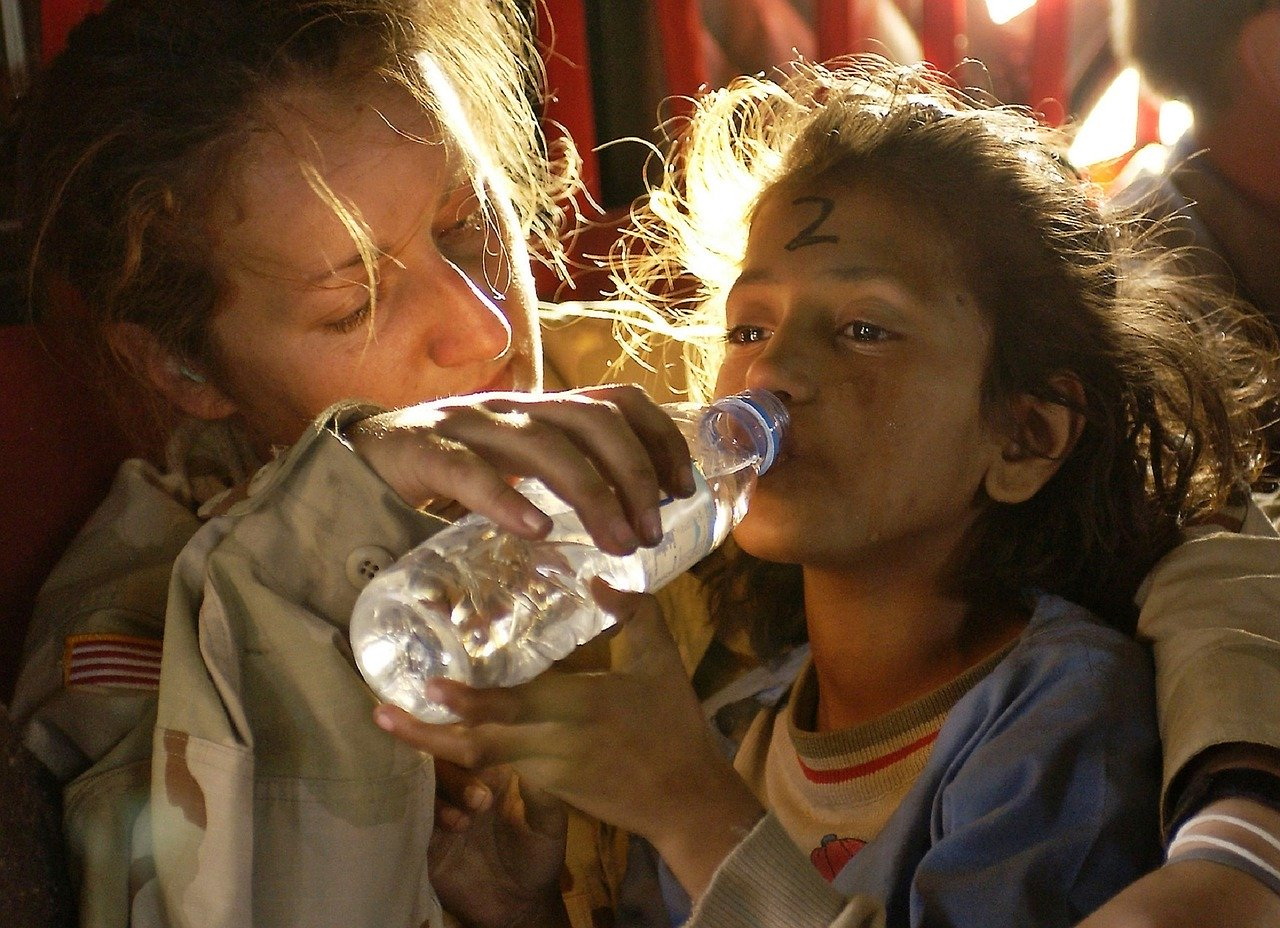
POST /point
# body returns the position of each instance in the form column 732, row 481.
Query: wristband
column 1191, row 843
column 1255, row 785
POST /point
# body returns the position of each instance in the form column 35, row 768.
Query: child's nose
column 782, row 370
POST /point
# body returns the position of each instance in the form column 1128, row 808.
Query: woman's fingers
column 424, row 467
column 621, row 472
column 663, row 441
column 588, row 456
column 610, row 453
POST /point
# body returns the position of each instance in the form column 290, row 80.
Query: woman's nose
column 470, row 326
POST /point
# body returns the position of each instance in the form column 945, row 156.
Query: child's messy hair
column 1173, row 371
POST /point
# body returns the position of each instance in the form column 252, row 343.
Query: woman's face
column 854, row 304
column 294, row 332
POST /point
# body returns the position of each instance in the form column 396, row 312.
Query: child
column 1000, row 419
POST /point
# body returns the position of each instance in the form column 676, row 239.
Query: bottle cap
column 768, row 415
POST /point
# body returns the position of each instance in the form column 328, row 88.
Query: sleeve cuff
column 765, row 880
column 1258, row 786
column 318, row 522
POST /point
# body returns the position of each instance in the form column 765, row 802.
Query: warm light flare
column 1175, row 120
column 1111, row 128
column 1001, row 11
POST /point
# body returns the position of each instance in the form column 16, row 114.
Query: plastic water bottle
column 477, row 604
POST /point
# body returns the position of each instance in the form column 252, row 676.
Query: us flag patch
column 112, row 660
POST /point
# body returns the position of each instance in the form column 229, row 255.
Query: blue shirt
column 1040, row 799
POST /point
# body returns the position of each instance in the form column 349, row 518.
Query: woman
column 269, row 209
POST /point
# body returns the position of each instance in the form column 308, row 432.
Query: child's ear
column 1042, row 435
column 1259, row 50
column 185, row 386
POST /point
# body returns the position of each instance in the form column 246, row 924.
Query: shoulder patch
column 121, row 661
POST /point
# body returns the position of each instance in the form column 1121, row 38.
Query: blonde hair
column 134, row 130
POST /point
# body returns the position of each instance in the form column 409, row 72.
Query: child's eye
column 861, row 331
column 745, row 335
column 352, row 319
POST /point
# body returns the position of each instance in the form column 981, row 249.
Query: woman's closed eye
column 469, row 228
column 357, row 317
column 474, row 243
column 462, row 226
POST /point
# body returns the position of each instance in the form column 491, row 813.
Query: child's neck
column 878, row 643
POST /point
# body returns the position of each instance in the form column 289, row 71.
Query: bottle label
column 689, row 535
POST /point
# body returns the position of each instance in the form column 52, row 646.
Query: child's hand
column 609, row 452
column 460, row 795
column 504, row 867
column 629, row 746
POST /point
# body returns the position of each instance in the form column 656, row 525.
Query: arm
column 93, row 732
column 265, row 747
column 1210, row 609
column 631, row 747
column 1188, row 892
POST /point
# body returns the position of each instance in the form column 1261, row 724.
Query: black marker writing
column 806, row 236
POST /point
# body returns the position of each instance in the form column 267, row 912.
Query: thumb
column 543, row 812
column 642, row 633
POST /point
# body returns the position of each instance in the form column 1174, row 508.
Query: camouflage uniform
column 240, row 780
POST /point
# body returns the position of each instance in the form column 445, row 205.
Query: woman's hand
column 609, row 452
column 504, row 868
column 629, row 746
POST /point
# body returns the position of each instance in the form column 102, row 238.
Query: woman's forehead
column 378, row 157
column 335, row 125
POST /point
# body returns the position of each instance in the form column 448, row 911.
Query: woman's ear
column 1042, row 435
column 1259, row 51
column 184, row 385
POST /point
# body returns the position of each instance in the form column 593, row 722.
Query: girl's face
column 294, row 333
column 854, row 304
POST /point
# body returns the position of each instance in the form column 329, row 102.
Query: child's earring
column 191, row 375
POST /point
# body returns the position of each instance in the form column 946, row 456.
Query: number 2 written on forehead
column 807, row 235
